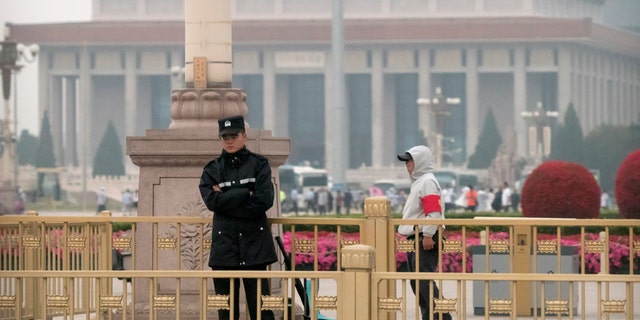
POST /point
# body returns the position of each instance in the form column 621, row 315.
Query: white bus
column 302, row 178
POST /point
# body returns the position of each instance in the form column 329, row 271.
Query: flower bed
column 452, row 262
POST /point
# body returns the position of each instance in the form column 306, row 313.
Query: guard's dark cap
column 405, row 156
column 231, row 125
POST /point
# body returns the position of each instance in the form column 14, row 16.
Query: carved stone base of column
column 201, row 108
column 171, row 163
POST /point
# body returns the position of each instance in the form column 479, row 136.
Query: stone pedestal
column 7, row 198
column 171, row 162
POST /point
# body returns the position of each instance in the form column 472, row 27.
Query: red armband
column 431, row 203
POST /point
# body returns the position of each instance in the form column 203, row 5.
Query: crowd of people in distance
column 469, row 199
column 322, row 201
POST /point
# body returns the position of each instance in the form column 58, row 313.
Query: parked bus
column 302, row 178
column 397, row 184
column 456, row 179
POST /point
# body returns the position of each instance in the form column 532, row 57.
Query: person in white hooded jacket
column 423, row 202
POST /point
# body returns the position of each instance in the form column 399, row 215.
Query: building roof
column 379, row 31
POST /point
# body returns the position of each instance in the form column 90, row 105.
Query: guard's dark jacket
column 241, row 235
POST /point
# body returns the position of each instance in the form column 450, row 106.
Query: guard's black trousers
column 223, row 286
column 428, row 263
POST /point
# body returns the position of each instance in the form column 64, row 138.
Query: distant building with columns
column 492, row 54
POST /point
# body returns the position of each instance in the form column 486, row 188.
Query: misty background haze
column 619, row 13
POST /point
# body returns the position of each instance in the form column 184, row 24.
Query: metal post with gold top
column 358, row 261
column 380, row 235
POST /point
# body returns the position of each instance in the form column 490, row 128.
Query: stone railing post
column 357, row 261
column 381, row 237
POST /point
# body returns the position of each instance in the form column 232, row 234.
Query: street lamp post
column 539, row 132
column 440, row 109
column 13, row 56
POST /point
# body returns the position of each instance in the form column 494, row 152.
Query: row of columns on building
column 578, row 82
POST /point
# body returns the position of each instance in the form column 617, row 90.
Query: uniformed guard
column 237, row 188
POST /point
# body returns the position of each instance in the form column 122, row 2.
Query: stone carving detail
column 613, row 306
column 547, row 246
column 272, row 303
column 326, row 303
column 57, row 302
column 557, row 306
column 358, row 257
column 190, row 246
column 405, row 245
column 218, row 301
column 164, row 302
column 390, row 304
column 31, row 242
column 305, row 245
column 377, row 206
column 499, row 246
column 122, row 243
column 7, row 302
column 173, row 161
column 452, row 246
column 110, row 302
column 594, row 246
column 500, row 306
column 444, row 305
column 76, row 242
column 201, row 108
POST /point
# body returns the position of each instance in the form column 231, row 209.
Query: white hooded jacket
column 423, row 183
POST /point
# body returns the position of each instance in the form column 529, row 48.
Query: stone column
column 520, row 99
column 377, row 112
column 424, row 91
column 564, row 80
column 474, row 121
column 269, row 96
column 71, row 137
column 130, row 93
column 55, row 118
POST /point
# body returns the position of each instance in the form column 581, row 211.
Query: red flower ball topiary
column 628, row 186
column 560, row 189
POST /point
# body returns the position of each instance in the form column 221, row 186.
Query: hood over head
column 422, row 159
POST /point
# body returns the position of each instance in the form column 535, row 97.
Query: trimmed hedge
column 560, row 189
column 628, row 186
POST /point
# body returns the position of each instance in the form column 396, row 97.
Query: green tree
column 488, row 144
column 567, row 143
column 44, row 155
column 109, row 159
column 27, row 147
column 608, row 147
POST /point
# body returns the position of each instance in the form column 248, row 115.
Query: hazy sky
column 36, row 11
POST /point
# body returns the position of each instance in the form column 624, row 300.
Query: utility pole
column 13, row 56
